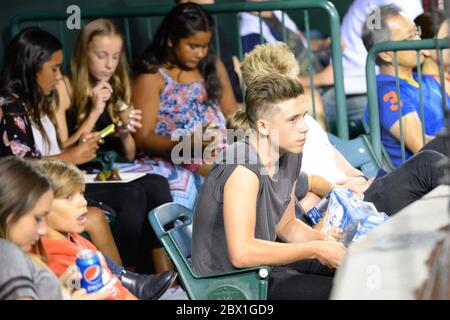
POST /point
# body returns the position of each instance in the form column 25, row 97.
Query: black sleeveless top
column 209, row 247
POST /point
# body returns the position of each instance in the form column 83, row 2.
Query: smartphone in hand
column 108, row 130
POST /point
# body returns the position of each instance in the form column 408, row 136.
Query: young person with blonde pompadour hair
column 247, row 201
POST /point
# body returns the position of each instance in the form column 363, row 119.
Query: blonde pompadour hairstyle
column 67, row 178
column 268, row 59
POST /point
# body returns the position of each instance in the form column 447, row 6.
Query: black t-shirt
column 209, row 248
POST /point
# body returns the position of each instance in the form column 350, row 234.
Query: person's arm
column 128, row 146
column 16, row 273
column 146, row 94
column 240, row 201
column 16, row 132
column 354, row 178
column 68, row 278
column 389, row 116
column 296, row 230
column 292, row 230
column 320, row 79
column 62, row 87
column 79, row 153
column 131, row 296
column 237, row 69
column 309, row 201
column 227, row 100
column 81, row 294
column 412, row 131
column 65, row 92
column 319, row 185
column 344, row 165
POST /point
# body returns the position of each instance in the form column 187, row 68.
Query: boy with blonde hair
column 67, row 218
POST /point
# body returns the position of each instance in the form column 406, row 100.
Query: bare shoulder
column 64, row 89
column 149, row 80
column 242, row 178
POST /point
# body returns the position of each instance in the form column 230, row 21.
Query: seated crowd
column 171, row 117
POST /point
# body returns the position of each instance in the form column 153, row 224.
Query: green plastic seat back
column 182, row 234
column 358, row 153
column 241, row 284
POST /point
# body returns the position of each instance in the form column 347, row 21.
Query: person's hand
column 134, row 122
column 349, row 182
column 357, row 185
column 86, row 150
column 91, row 135
column 332, row 235
column 81, row 294
column 70, row 281
column 71, row 278
column 329, row 253
column 199, row 132
column 100, row 94
column 361, row 188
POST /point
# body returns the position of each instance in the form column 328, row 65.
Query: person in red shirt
column 67, row 218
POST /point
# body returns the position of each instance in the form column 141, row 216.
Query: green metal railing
column 148, row 12
column 372, row 95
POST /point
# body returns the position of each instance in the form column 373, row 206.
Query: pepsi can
column 88, row 263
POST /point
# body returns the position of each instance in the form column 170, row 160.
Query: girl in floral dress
column 183, row 90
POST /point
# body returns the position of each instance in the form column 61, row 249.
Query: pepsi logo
column 91, row 274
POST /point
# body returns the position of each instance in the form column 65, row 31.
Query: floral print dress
column 184, row 108
column 15, row 130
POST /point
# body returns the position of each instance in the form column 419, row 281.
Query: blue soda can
column 314, row 215
column 90, row 268
column 317, row 212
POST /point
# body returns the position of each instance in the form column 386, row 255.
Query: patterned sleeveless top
column 185, row 106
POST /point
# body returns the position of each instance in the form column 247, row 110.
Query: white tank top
column 46, row 149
